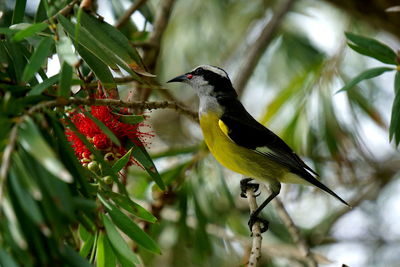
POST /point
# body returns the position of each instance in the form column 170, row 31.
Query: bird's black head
column 208, row 80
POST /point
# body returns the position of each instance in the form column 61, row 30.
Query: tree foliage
column 79, row 187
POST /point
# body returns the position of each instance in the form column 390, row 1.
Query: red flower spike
column 93, row 133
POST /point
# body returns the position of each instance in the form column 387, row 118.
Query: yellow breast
column 234, row 157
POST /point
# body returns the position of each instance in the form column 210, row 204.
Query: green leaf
column 6, row 259
column 41, row 13
column 130, row 119
column 88, row 241
column 7, row 31
column 368, row 74
column 29, row 31
column 39, row 88
column 105, row 256
column 64, row 48
column 37, row 59
column 117, row 242
column 26, row 201
column 72, row 258
column 129, row 227
column 140, row 153
column 65, row 81
column 122, row 161
column 103, row 128
column 115, row 41
column 33, row 142
column 88, row 41
column 101, row 70
column 19, row 11
column 17, row 59
column 372, row 48
column 132, row 207
column 394, row 129
column 97, row 47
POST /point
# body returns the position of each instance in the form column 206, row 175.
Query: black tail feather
column 312, row 180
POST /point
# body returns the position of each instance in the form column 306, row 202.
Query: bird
column 242, row 144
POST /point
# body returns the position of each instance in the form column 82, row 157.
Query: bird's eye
column 198, row 71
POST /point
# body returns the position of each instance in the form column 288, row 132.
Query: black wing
column 245, row 131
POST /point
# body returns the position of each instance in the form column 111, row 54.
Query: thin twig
column 294, row 232
column 255, row 253
column 258, row 47
column 64, row 11
column 60, row 102
column 126, row 16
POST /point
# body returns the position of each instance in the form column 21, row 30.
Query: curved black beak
column 180, row 78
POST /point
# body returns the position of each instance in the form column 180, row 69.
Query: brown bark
column 373, row 12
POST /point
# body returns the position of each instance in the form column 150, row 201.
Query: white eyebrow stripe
column 216, row 70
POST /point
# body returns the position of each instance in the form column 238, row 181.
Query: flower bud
column 93, row 166
column 108, row 179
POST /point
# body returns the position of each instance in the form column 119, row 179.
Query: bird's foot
column 255, row 219
column 246, row 184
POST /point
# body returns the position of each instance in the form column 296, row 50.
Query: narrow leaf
column 19, row 11
column 130, row 228
column 372, row 48
column 97, row 46
column 39, row 88
column 143, row 157
column 88, row 41
column 87, row 244
column 117, row 242
column 64, row 48
column 115, row 41
column 37, row 59
column 29, row 31
column 33, row 142
column 132, row 207
column 72, row 258
column 99, row 68
column 105, row 256
column 394, row 129
column 66, row 80
column 6, row 259
column 28, row 204
column 368, row 74
column 122, row 161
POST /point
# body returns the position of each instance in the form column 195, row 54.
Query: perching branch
column 255, row 253
column 258, row 47
column 294, row 232
column 126, row 16
column 271, row 249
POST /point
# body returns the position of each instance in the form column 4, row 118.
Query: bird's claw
column 245, row 184
column 263, row 223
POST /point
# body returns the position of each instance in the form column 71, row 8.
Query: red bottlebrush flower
column 95, row 135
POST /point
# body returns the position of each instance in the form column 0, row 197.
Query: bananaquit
column 239, row 142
